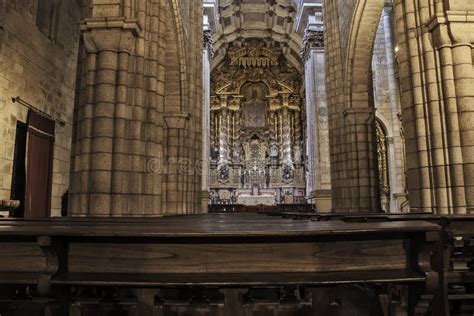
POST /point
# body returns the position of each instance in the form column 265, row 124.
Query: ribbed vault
column 270, row 21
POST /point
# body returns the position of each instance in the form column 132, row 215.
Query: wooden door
column 39, row 166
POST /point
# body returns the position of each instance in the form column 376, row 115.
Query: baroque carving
column 288, row 173
column 237, row 70
column 254, row 56
column 382, row 154
column 223, row 173
column 256, row 122
column 207, row 42
column 312, row 39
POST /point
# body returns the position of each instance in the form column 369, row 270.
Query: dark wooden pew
column 235, row 253
column 454, row 258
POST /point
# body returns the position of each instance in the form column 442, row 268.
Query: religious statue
column 238, row 150
column 298, row 154
column 214, row 152
column 273, row 151
column 288, row 173
column 223, row 173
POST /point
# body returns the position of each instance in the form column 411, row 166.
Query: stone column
column 463, row 66
column 395, row 144
column 154, row 100
column 206, row 128
column 436, row 68
column 453, row 139
column 98, row 187
column 176, row 124
column 318, row 177
column 361, row 160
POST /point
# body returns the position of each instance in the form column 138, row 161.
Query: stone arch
column 175, row 65
column 384, row 122
column 365, row 20
column 351, row 31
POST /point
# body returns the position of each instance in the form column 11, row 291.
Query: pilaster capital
column 312, row 39
column 109, row 34
column 177, row 120
column 452, row 28
column 359, row 115
column 207, row 42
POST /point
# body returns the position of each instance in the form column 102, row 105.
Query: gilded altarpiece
column 257, row 143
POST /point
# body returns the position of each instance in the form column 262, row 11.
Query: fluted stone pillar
column 463, row 61
column 318, row 177
column 436, row 69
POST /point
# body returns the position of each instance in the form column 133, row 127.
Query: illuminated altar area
column 256, row 129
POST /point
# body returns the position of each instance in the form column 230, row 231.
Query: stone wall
column 42, row 71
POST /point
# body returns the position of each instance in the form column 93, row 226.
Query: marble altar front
column 254, row 200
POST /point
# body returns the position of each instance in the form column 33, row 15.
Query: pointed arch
column 175, row 66
column 358, row 73
column 351, row 30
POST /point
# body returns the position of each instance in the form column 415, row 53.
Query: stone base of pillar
column 322, row 200
column 204, row 202
column 400, row 203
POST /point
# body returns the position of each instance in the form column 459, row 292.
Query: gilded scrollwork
column 275, row 75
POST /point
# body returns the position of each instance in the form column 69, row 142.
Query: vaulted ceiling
column 270, row 21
